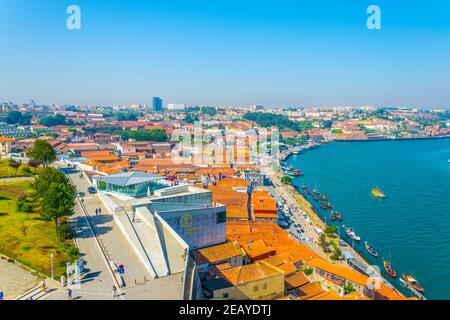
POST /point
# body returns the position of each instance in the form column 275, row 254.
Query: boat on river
column 377, row 193
column 388, row 267
column 410, row 282
column 371, row 250
column 339, row 216
column 332, row 216
column 351, row 233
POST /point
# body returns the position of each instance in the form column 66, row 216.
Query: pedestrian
column 99, row 210
column 69, row 294
column 114, row 289
column 43, row 285
column 96, row 211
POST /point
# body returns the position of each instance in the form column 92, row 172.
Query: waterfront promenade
column 298, row 205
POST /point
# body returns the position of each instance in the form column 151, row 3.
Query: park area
column 24, row 235
column 24, row 170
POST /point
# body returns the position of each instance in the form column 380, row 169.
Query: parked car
column 91, row 190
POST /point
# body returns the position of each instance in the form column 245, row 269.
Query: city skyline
column 227, row 53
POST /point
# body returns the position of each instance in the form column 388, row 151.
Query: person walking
column 114, row 290
column 43, row 285
column 96, row 211
column 99, row 210
column 69, row 294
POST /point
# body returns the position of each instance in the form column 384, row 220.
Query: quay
column 304, row 214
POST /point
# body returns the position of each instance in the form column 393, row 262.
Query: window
column 265, row 286
column 221, row 217
column 226, row 295
column 255, row 288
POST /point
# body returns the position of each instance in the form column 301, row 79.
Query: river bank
column 415, row 176
column 284, row 156
column 298, row 203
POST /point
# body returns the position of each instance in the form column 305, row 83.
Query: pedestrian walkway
column 139, row 284
column 15, row 280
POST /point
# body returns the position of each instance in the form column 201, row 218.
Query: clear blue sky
column 228, row 52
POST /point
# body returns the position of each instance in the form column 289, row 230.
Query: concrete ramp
column 148, row 233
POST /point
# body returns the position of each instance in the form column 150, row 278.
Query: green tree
column 156, row 135
column 330, row 230
column 45, row 178
column 286, row 180
column 57, row 202
column 211, row 111
column 42, row 151
column 265, row 119
column 16, row 117
column 191, row 118
column 53, row 121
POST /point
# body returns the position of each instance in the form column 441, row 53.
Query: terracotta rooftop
column 232, row 183
column 342, row 272
column 218, row 253
column 296, row 280
column 309, row 291
column 257, row 249
column 249, row 273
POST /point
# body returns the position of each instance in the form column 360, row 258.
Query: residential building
column 6, row 146
column 256, row 281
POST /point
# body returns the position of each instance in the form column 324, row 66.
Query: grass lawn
column 6, row 170
column 25, row 236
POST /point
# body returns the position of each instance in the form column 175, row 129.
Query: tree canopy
column 16, row 117
column 55, row 195
column 156, row 135
column 42, row 151
column 267, row 120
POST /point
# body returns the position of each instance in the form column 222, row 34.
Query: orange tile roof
column 236, row 202
column 309, row 291
column 296, row 280
column 249, row 273
column 257, row 249
column 274, row 260
column 326, row 295
column 288, row 268
column 4, row 139
column 342, row 272
column 218, row 253
column 232, row 183
column 263, row 205
column 273, row 236
column 218, row 268
column 384, row 292
column 87, row 154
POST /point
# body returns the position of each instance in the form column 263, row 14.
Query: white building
column 176, row 106
column 6, row 146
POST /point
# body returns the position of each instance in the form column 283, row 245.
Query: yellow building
column 256, row 281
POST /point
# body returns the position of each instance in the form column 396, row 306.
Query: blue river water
column 411, row 227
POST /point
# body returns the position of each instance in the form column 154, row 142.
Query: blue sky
column 282, row 53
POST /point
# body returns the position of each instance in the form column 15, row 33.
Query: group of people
column 98, row 211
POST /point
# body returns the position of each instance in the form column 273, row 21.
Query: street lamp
column 51, row 263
